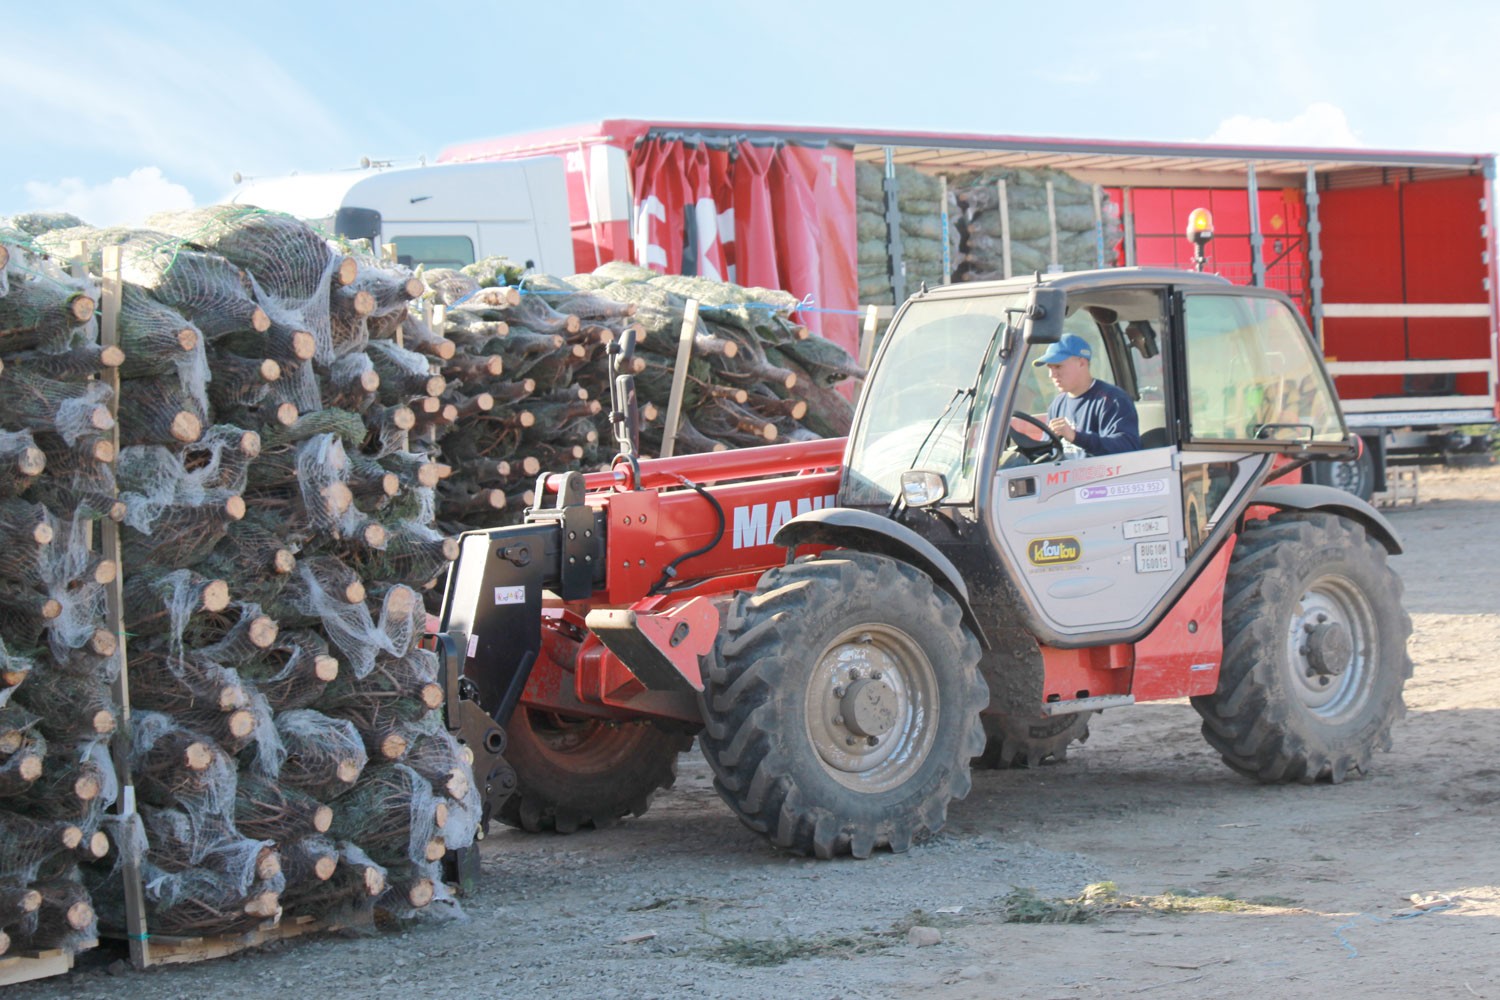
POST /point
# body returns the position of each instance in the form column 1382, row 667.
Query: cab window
column 434, row 251
column 1253, row 374
column 1123, row 327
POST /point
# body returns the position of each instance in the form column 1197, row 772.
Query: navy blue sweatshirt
column 1104, row 416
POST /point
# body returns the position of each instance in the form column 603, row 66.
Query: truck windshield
column 918, row 410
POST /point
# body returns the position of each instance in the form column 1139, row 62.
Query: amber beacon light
column 1200, row 229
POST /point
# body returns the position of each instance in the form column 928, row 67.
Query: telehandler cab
column 848, row 626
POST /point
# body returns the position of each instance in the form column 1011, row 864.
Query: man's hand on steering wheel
column 1047, row 448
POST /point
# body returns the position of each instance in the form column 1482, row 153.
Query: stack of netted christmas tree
column 532, row 348
column 57, row 658
column 277, row 530
column 977, row 228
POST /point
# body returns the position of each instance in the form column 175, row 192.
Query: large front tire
column 574, row 772
column 842, row 706
column 1315, row 654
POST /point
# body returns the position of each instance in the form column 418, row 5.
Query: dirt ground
column 687, row 902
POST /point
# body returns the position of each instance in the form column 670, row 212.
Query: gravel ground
column 687, row 902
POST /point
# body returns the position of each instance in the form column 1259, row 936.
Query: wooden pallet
column 165, row 950
column 1400, row 487
column 26, row 966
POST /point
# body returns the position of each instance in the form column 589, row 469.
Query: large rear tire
column 1315, row 654
column 842, row 706
column 1012, row 741
column 1354, row 475
column 575, row 772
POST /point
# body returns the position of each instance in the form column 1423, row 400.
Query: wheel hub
column 869, row 707
column 1329, row 648
column 872, row 707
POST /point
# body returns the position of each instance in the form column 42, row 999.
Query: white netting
column 349, row 626
column 436, row 754
column 322, row 473
column 298, row 385
column 324, row 757
column 440, row 902
column 292, row 267
column 403, row 370
column 66, row 567
column 200, row 901
column 344, row 377
column 403, row 621
column 270, row 752
column 182, row 598
column 77, row 406
column 153, row 478
column 165, row 770
column 93, row 755
column 310, row 314
column 392, row 814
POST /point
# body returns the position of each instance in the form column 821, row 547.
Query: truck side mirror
column 1043, row 322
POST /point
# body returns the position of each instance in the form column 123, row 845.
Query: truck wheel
column 842, row 704
column 1014, row 741
column 1357, row 475
column 1314, row 655
column 574, row 772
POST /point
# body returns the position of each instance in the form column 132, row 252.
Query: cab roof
column 1083, row 281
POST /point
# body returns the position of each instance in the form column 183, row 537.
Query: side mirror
column 921, row 488
column 1043, row 323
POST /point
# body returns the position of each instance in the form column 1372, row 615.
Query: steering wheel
column 1049, row 449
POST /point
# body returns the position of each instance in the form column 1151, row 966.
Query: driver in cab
column 1089, row 414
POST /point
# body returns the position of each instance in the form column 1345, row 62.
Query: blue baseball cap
column 1070, row 345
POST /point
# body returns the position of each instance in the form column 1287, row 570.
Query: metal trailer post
column 1004, row 227
column 1127, row 218
column 947, row 257
column 1492, row 294
column 1257, row 257
column 1098, row 226
column 895, row 253
column 1314, row 257
column 1053, row 263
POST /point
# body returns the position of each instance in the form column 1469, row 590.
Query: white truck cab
column 445, row 215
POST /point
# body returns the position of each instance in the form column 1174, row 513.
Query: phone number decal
column 1119, row 491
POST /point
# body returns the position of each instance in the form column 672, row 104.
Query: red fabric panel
column 754, row 217
column 721, row 188
column 781, row 216
column 700, row 187
column 839, row 284
column 793, row 176
column 659, row 181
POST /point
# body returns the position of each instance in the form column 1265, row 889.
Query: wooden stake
column 679, row 377
column 135, row 897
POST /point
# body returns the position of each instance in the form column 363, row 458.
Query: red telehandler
column 848, row 626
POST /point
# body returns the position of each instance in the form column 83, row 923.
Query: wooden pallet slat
column 167, row 950
column 26, row 966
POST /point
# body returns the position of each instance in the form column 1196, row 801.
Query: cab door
column 1093, row 543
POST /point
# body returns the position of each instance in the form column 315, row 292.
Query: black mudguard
column 1309, row 496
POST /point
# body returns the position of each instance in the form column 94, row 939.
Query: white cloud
column 1322, row 124
column 187, row 95
column 120, row 201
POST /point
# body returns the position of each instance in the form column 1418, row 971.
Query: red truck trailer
column 1390, row 255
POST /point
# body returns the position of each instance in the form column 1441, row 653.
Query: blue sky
column 115, row 110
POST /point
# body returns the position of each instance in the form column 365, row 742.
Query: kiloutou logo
column 1051, row 551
